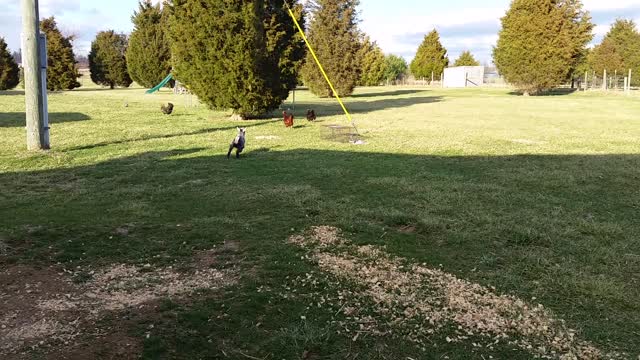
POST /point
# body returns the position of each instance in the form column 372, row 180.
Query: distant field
column 135, row 236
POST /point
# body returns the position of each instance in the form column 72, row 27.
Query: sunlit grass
column 536, row 196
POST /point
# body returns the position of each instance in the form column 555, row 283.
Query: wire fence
column 610, row 81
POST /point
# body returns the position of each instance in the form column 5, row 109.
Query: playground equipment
column 161, row 85
column 178, row 89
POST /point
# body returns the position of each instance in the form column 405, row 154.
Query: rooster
column 288, row 119
column 167, row 110
column 311, row 115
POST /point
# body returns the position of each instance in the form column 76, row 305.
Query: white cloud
column 397, row 31
column 75, row 17
column 594, row 5
column 470, row 27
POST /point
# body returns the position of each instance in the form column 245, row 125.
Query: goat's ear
column 237, row 128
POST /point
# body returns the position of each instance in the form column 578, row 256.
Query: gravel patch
column 419, row 302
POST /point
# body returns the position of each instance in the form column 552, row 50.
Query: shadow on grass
column 18, row 119
column 12, row 93
column 362, row 107
column 85, row 89
column 167, row 136
column 562, row 229
column 388, row 93
column 553, row 92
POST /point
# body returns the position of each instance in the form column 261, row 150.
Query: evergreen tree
column 9, row 71
column 431, row 58
column 541, row 42
column 619, row 50
column 62, row 73
column 607, row 56
column 149, row 53
column 17, row 56
column 333, row 33
column 395, row 68
column 284, row 43
column 372, row 63
column 107, row 61
column 466, row 59
column 581, row 67
column 239, row 55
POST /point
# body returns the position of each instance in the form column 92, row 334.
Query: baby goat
column 238, row 143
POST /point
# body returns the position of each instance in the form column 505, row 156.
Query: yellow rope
column 313, row 53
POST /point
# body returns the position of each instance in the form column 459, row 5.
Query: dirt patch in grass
column 319, row 237
column 419, row 303
column 407, row 229
column 45, row 311
column 116, row 345
column 4, row 248
column 220, row 256
column 22, row 323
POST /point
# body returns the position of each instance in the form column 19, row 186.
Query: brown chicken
column 167, row 110
column 288, row 119
column 311, row 115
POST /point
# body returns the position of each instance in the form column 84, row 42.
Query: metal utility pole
column 35, row 97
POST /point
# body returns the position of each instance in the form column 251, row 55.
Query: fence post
column 586, row 80
column 604, row 81
column 629, row 80
column 625, row 84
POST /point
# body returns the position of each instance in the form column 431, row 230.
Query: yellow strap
column 318, row 62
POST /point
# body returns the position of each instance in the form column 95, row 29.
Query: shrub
column 241, row 55
column 9, row 71
column 62, row 73
column 107, row 61
column 541, row 41
column 149, row 53
column 333, row 33
column 431, row 58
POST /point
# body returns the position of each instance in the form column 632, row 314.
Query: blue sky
column 398, row 26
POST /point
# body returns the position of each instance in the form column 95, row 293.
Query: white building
column 463, row 76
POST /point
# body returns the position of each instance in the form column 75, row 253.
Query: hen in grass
column 167, row 110
column 288, row 119
column 311, row 115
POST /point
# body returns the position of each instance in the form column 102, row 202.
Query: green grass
column 538, row 197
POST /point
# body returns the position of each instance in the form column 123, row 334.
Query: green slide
column 159, row 86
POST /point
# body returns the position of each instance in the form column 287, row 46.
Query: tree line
column 245, row 56
column 165, row 39
column 62, row 73
column 544, row 44
column 248, row 56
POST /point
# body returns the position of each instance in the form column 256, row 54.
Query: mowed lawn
column 533, row 198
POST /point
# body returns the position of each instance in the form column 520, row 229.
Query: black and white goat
column 238, row 143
